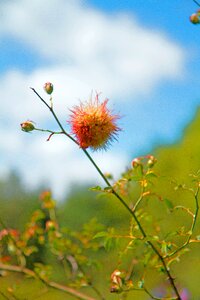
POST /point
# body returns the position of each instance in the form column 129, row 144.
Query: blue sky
column 142, row 55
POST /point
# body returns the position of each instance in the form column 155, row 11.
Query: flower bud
column 45, row 196
column 27, row 126
column 108, row 176
column 151, row 161
column 115, row 289
column 136, row 162
column 51, row 225
column 194, row 18
column 117, row 277
column 48, row 87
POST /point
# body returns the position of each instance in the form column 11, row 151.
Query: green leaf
column 150, row 175
column 146, row 258
column 95, row 188
column 164, row 248
column 131, row 247
column 169, row 204
column 136, row 178
column 100, row 234
column 110, row 243
column 29, row 250
column 38, row 215
column 140, row 284
column 150, row 238
column 108, row 189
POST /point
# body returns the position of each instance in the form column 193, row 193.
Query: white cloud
column 111, row 53
column 58, row 164
column 87, row 49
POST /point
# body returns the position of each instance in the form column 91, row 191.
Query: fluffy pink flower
column 93, row 124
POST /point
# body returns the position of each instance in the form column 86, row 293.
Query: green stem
column 171, row 279
column 114, row 192
column 139, row 199
column 192, row 226
column 55, row 116
column 49, row 131
column 156, row 298
column 52, row 284
column 197, row 210
column 4, row 296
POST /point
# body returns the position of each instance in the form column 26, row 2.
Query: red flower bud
column 27, row 126
column 151, row 161
column 48, row 87
column 136, row 162
column 194, row 18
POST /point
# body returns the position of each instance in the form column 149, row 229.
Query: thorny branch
column 51, row 284
column 156, row 251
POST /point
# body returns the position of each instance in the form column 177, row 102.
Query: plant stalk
column 170, row 278
column 52, row 284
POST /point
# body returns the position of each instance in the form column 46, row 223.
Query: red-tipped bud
column 48, row 87
column 151, row 161
column 117, row 281
column 27, row 126
column 117, row 277
column 136, row 162
column 194, row 18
